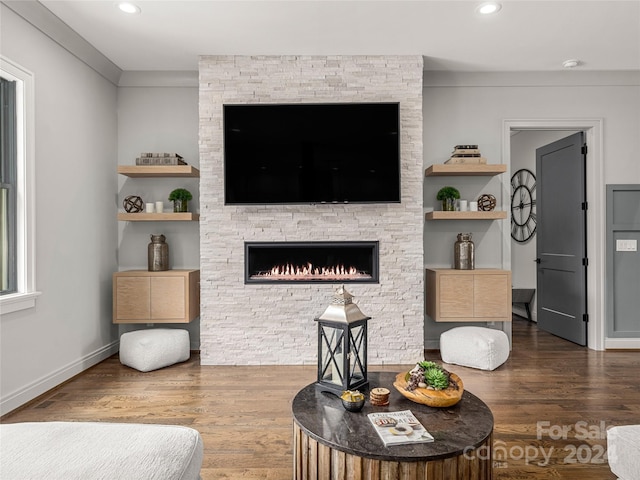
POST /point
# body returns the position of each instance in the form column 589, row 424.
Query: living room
column 87, row 124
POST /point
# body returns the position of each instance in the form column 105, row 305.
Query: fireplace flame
column 311, row 272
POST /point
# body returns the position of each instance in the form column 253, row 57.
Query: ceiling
column 523, row 36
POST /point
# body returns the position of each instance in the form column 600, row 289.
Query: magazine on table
column 399, row 428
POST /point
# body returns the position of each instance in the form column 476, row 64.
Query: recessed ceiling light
column 128, row 7
column 488, row 8
column 571, row 63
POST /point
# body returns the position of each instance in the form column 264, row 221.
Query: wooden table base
column 315, row 461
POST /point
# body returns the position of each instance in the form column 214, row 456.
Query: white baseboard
column 19, row 397
column 621, row 343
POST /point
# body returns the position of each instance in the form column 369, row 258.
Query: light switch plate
column 626, row 245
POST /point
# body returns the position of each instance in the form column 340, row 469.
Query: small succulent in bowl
column 352, row 400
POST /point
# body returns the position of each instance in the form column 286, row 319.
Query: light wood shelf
column 148, row 171
column 158, row 217
column 442, row 170
column 440, row 215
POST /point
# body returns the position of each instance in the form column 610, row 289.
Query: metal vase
column 463, row 253
column 158, row 254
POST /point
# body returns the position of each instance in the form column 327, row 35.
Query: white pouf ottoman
column 147, row 350
column 623, row 451
column 475, row 347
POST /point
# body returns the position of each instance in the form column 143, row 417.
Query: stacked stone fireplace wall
column 274, row 324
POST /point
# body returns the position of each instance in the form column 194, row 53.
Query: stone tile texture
column 274, row 324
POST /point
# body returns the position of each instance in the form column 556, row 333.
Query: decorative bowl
column 433, row 398
column 353, row 406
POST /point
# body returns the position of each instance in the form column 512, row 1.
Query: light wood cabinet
column 481, row 295
column 140, row 296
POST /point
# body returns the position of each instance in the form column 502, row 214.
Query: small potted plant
column 448, row 195
column 180, row 198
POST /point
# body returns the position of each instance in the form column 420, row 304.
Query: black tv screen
column 311, row 153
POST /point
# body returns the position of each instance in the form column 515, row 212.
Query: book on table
column 399, row 428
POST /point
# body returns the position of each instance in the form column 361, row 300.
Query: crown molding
column 439, row 78
column 44, row 20
column 157, row 78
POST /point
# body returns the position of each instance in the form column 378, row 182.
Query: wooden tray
column 432, row 398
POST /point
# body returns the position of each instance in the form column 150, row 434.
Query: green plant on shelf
column 447, row 195
column 180, row 198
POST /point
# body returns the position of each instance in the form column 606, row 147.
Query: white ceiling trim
column 45, row 21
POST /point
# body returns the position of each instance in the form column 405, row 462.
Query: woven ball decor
column 132, row 204
column 486, row 202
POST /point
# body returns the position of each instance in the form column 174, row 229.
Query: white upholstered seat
column 99, row 451
column 151, row 349
column 475, row 347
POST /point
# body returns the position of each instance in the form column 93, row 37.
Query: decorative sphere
column 132, row 204
column 486, row 202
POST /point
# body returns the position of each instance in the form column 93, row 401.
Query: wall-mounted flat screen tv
column 311, row 153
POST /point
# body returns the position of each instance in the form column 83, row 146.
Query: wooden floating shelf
column 158, row 217
column 141, row 171
column 440, row 215
column 442, row 170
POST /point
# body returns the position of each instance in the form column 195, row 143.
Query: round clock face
column 523, row 205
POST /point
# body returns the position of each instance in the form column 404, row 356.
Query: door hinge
column 583, row 150
column 585, row 317
column 585, row 262
column 585, row 205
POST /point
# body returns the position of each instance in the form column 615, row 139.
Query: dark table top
column 456, row 429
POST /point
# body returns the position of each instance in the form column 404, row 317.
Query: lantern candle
column 342, row 345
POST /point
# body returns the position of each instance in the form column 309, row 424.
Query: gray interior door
column 561, row 243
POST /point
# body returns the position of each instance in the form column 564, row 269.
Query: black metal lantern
column 342, row 345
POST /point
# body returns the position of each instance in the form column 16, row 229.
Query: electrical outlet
column 626, row 245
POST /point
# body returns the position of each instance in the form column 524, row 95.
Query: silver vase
column 158, row 254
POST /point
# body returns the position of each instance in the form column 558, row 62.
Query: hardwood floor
column 244, row 413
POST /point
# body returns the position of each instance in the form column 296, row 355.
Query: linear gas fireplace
column 311, row 262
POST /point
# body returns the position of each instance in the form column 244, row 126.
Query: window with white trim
column 17, row 235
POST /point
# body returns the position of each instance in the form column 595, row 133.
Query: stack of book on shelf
column 466, row 155
column 146, row 158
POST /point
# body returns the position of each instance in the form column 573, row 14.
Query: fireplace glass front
column 311, row 262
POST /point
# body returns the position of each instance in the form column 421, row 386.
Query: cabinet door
column 456, row 296
column 491, row 296
column 132, row 298
column 168, row 298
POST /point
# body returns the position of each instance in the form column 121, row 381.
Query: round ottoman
column 475, row 347
column 151, row 349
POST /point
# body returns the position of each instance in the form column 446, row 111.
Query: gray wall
column 76, row 235
column 158, row 119
column 471, row 108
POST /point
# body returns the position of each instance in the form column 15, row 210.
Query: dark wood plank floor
column 244, row 413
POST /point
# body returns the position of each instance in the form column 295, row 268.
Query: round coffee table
column 332, row 443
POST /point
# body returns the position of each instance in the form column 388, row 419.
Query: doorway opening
column 555, row 129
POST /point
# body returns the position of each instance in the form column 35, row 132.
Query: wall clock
column 523, row 205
